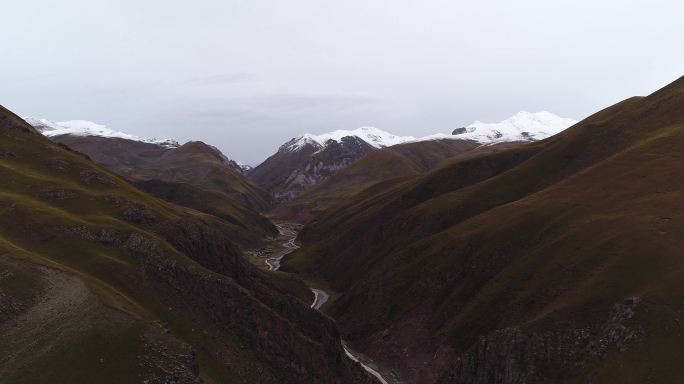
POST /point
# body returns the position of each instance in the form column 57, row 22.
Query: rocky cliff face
column 294, row 169
column 514, row 356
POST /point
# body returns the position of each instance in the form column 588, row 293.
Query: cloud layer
column 248, row 75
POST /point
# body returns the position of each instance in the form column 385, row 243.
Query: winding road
column 320, row 297
column 289, row 246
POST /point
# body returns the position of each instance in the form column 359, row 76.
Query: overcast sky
column 248, row 75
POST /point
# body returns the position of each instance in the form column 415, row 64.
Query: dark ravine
column 289, row 232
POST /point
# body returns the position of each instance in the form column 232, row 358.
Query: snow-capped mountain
column 68, row 131
column 89, row 128
column 305, row 160
column 523, row 126
column 371, row 135
column 246, row 168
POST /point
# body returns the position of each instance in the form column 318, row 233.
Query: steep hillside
column 194, row 174
column 103, row 283
column 555, row 261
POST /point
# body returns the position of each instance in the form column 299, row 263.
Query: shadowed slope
column 557, row 261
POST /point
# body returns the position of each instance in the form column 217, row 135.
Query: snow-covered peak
column 371, row 135
column 246, row 168
column 523, row 126
column 88, row 128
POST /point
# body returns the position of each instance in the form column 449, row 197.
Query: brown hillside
column 194, row 175
column 557, row 261
column 103, row 283
column 403, row 160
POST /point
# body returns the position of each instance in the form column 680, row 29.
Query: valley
column 342, row 192
column 511, row 252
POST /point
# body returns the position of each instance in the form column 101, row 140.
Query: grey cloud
column 234, row 77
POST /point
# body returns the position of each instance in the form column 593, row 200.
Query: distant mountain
column 372, row 136
column 304, row 161
column 523, row 126
column 245, row 168
column 195, row 174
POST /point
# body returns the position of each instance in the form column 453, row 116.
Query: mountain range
column 304, row 161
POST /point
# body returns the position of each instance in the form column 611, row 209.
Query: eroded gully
column 289, row 232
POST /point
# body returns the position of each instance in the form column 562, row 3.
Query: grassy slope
column 193, row 163
column 94, row 271
column 545, row 238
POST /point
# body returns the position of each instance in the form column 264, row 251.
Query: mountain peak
column 522, row 126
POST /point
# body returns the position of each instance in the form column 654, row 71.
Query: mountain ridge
column 304, row 161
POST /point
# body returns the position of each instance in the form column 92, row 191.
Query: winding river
column 320, row 297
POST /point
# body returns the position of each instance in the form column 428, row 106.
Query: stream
column 320, row 298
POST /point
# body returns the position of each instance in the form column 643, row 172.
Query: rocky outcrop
column 294, row 169
column 513, row 356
